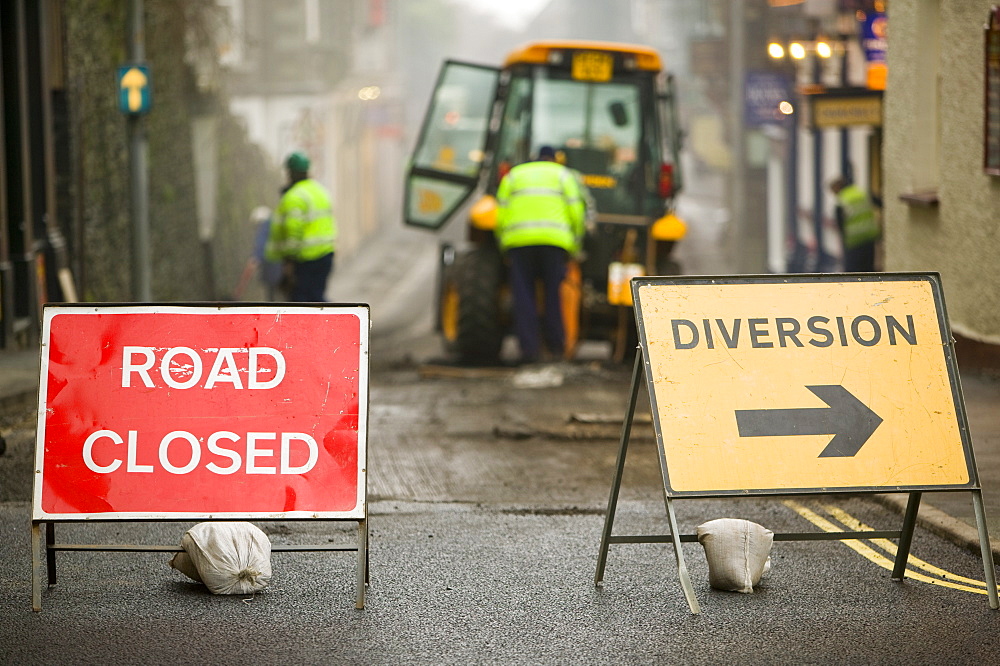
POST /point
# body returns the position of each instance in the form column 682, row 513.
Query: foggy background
column 359, row 118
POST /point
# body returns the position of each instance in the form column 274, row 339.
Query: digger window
column 449, row 155
column 599, row 129
column 456, row 126
column 514, row 146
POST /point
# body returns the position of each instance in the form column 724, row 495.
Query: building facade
column 941, row 206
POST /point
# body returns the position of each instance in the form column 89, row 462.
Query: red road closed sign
column 159, row 411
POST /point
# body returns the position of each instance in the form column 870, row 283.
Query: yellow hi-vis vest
column 540, row 203
column 860, row 225
column 303, row 227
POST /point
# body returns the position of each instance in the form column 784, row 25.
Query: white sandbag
column 738, row 553
column 230, row 557
column 183, row 563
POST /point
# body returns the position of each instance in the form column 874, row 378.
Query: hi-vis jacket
column 540, row 203
column 860, row 225
column 302, row 228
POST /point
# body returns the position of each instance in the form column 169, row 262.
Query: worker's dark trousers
column 528, row 265
column 860, row 259
column 310, row 280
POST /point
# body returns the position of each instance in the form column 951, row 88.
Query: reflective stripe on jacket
column 860, row 225
column 540, row 203
column 302, row 228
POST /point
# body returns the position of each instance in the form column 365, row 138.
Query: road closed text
column 817, row 331
column 181, row 452
column 184, row 368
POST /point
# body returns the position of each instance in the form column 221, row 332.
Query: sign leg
column 682, row 571
column 984, row 545
column 362, row 569
column 906, row 536
column 36, row 565
column 50, row 553
column 616, row 482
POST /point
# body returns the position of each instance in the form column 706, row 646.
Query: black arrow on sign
column 847, row 419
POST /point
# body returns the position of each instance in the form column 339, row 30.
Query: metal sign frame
column 44, row 549
column 644, row 369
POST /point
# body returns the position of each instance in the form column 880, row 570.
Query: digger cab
column 607, row 109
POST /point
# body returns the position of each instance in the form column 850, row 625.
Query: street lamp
column 799, row 50
column 818, row 49
column 369, row 93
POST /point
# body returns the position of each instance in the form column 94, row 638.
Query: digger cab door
column 448, row 158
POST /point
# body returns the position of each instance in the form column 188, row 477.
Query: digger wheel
column 470, row 307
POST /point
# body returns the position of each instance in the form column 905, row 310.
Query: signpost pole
column 138, row 171
column 675, row 531
column 987, row 550
column 50, row 554
column 362, row 570
column 682, row 571
column 616, row 482
column 36, row 563
column 906, row 536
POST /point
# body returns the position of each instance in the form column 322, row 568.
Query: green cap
column 297, row 161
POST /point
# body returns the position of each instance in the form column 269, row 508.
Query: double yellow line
column 937, row 575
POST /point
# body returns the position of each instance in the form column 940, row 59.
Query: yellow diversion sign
column 803, row 383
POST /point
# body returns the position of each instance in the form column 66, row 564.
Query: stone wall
column 96, row 44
